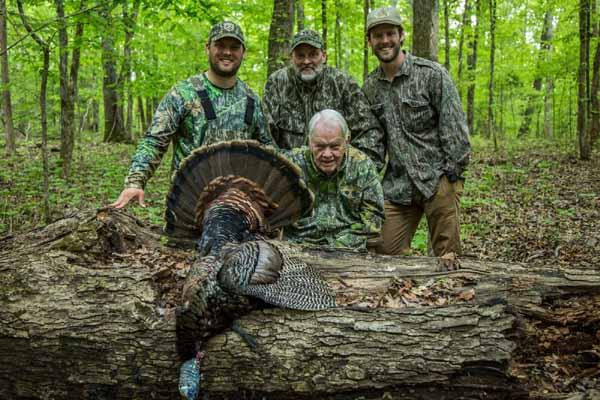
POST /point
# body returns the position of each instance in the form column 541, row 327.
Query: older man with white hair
column 348, row 208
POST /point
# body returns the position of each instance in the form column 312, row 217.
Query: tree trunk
column 129, row 23
column 43, row 115
column 595, row 103
column 446, row 36
column 89, row 302
column 67, row 112
column 6, row 100
column 280, row 35
column 366, row 8
column 585, row 148
column 466, row 23
column 142, row 114
column 425, row 29
column 472, row 68
column 114, row 129
column 299, row 15
column 490, row 119
column 149, row 112
column 338, row 36
column 543, row 58
column 324, row 23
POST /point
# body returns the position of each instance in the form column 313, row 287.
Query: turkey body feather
column 227, row 199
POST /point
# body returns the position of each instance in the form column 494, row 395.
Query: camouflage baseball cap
column 309, row 37
column 226, row 29
column 383, row 15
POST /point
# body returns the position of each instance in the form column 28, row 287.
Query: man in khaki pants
column 427, row 140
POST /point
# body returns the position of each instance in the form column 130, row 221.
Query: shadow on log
column 88, row 311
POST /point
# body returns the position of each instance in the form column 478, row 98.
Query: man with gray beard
column 295, row 93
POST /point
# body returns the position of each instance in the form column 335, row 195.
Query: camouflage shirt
column 348, row 206
column 290, row 103
column 180, row 118
column 426, row 130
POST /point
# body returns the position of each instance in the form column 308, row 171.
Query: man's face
column 308, row 61
column 385, row 40
column 225, row 56
column 328, row 147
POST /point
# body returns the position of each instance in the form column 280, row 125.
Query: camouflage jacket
column 425, row 126
column 348, row 206
column 290, row 103
column 180, row 118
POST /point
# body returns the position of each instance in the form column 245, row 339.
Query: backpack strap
column 250, row 106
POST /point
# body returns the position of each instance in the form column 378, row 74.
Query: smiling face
column 327, row 146
column 386, row 41
column 308, row 61
column 225, row 56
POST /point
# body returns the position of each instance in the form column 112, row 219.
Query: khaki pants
column 442, row 213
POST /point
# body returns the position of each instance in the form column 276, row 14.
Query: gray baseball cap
column 226, row 29
column 383, row 15
column 307, row 36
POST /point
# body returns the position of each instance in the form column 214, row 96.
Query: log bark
column 88, row 309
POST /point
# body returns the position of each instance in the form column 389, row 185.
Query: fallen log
column 88, row 310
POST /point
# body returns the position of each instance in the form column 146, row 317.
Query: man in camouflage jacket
column 204, row 109
column 348, row 207
column 295, row 93
column 427, row 139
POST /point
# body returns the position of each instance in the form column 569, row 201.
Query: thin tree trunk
column 130, row 25
column 6, row 99
column 366, row 8
column 490, row 121
column 472, row 68
column 300, row 15
column 149, row 111
column 583, row 78
column 43, row 113
column 543, row 58
column 114, row 130
column 324, row 23
column 280, row 34
column 446, row 37
column 67, row 137
column 595, row 103
column 425, row 29
column 548, row 109
column 141, row 113
column 466, row 22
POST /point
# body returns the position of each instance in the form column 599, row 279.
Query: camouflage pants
column 442, row 213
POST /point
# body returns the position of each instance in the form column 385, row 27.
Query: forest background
column 81, row 80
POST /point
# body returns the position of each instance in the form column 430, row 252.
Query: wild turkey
column 228, row 198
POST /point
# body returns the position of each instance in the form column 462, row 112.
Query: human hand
column 127, row 195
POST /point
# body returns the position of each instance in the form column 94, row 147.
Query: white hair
column 330, row 117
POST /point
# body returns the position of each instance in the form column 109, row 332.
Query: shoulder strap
column 250, row 105
column 209, row 110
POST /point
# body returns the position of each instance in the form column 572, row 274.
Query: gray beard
column 308, row 78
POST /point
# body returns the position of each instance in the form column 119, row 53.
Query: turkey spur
column 227, row 199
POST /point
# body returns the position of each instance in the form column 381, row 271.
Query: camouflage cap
column 383, row 15
column 309, row 37
column 226, row 29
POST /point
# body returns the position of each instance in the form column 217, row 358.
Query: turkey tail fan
column 258, row 172
column 263, row 270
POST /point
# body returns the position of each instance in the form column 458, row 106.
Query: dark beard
column 224, row 74
column 394, row 55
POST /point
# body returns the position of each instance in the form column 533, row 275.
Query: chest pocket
column 417, row 115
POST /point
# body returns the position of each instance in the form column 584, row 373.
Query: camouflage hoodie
column 180, row 118
column 348, row 206
column 290, row 103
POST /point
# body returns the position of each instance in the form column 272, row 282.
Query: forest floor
column 535, row 203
